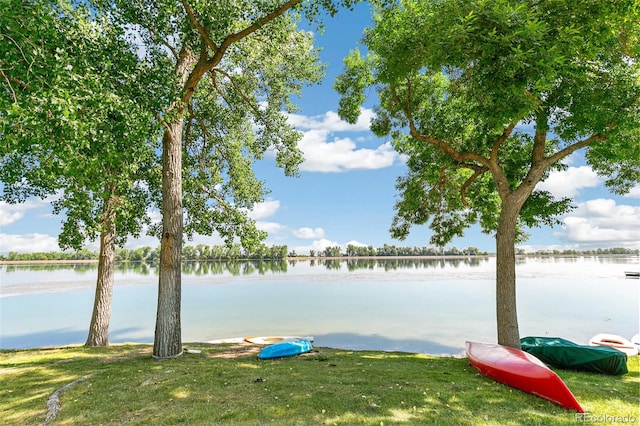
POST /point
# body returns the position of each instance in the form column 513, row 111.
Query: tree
column 485, row 98
column 234, row 67
column 72, row 127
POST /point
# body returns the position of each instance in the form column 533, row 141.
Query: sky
column 345, row 193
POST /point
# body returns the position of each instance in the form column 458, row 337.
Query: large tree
column 235, row 66
column 73, row 129
column 485, row 98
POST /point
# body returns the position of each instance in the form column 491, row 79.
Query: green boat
column 561, row 353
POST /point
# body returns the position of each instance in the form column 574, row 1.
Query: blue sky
column 346, row 189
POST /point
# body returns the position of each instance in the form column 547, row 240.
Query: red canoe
column 522, row 371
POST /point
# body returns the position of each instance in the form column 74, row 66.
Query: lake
column 416, row 305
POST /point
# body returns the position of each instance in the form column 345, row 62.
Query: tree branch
column 540, row 138
column 243, row 95
column 232, row 38
column 187, row 129
column 163, row 42
column 203, row 66
column 539, row 166
column 202, row 155
column 460, row 157
column 207, row 133
column 594, row 138
column 258, row 113
column 9, row 80
column 218, row 199
column 203, row 33
column 496, row 146
column 477, row 171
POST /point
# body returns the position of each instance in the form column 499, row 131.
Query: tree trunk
column 103, row 300
column 168, row 339
column 506, row 309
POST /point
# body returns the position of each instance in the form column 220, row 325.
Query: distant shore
column 307, row 258
column 46, row 262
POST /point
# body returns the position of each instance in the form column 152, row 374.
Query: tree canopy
column 73, row 126
column 485, row 98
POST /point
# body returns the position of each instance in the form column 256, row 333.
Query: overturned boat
column 522, row 371
column 562, row 353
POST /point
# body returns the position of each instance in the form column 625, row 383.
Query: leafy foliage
column 234, row 76
column 73, row 126
column 485, row 98
column 235, row 117
column 494, row 95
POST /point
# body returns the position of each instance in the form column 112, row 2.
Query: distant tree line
column 594, row 252
column 392, row 250
column 266, row 266
column 200, row 252
column 203, row 252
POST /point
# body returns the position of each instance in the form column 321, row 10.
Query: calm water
column 429, row 306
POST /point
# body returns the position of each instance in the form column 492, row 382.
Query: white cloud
column 331, row 122
column 28, row 243
column 324, row 152
column 341, row 154
column 270, row 227
column 568, row 183
column 603, row 221
column 317, row 246
column 356, row 243
column 633, row 192
column 155, row 215
column 309, row 233
column 264, row 210
column 575, row 158
column 11, row 213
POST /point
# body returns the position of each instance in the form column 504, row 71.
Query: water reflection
column 140, row 268
column 136, row 267
column 48, row 267
column 234, row 268
column 261, row 267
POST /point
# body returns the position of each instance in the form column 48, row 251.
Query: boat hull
column 522, row 371
column 285, row 349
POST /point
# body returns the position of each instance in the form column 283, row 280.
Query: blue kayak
column 284, row 349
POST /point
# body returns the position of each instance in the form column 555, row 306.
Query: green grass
column 227, row 384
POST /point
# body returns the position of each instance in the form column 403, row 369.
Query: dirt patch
column 129, row 354
column 236, row 350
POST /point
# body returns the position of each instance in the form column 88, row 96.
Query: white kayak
column 614, row 341
column 269, row 340
column 259, row 340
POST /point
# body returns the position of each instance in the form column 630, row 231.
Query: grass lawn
column 227, row 384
